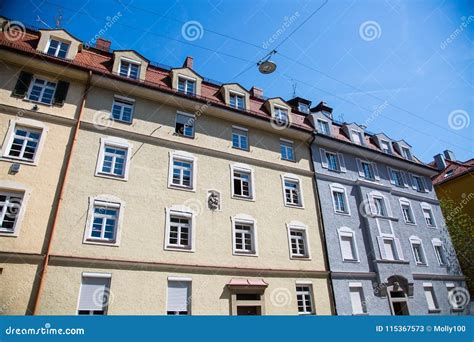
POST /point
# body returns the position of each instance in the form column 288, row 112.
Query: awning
column 240, row 282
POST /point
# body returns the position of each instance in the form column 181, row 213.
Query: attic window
column 356, row 137
column 129, row 69
column 186, row 85
column 448, row 174
column 281, row 115
column 57, row 48
column 236, row 100
column 406, row 153
column 303, row 107
column 385, row 146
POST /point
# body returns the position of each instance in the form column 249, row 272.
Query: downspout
column 322, row 231
column 44, row 269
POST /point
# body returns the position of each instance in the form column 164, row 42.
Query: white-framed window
column 104, row 220
column 347, row 243
column 182, row 170
column 24, row 140
column 357, row 137
column 280, row 115
column 418, row 183
column 397, row 178
column 368, row 170
column 439, row 252
column 287, row 150
column 180, row 229
column 390, row 247
column 114, row 158
column 418, row 250
column 303, row 107
column 358, row 302
column 122, row 109
column 407, row 212
column 430, row 297
column 187, row 85
column 242, row 182
column 406, row 153
column 244, row 235
column 304, row 299
column 323, row 127
column 379, row 204
column 339, row 199
column 184, row 125
column 292, row 191
column 332, row 161
column 240, row 138
column 428, row 215
column 129, row 69
column 236, row 100
column 10, row 209
column 178, row 296
column 298, row 240
column 94, row 294
column 57, row 47
column 41, row 91
column 380, row 208
column 385, row 146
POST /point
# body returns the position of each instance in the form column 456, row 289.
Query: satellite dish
column 267, row 67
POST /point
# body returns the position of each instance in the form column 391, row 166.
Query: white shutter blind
column 383, row 255
column 324, row 159
column 398, row 246
column 356, row 300
column 376, row 171
column 342, row 164
column 430, row 298
column 425, row 185
column 390, row 176
column 359, row 167
column 405, row 181
column 413, row 185
column 346, row 247
column 373, row 208
column 178, row 296
column 94, row 293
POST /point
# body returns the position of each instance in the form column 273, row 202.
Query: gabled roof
column 65, row 31
column 136, row 53
column 453, row 170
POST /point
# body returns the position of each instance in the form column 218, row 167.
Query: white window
column 407, row 211
column 428, row 215
column 368, row 170
column 397, row 178
column 430, row 297
column 129, row 69
column 380, row 208
column 439, row 252
column 390, row 248
column 122, row 109
column 240, row 139
column 104, row 221
column 340, row 200
column 242, row 182
column 287, row 150
column 385, row 146
column 298, row 239
column 357, row 299
column 379, row 204
column 186, row 85
column 406, row 153
column 114, row 158
column 244, row 236
column 303, row 107
column 94, row 294
column 236, row 100
column 418, row 250
column 347, row 244
column 57, row 48
column 357, row 137
column 332, row 161
column 10, row 209
column 418, row 183
column 185, row 124
column 292, row 191
column 41, row 91
column 304, row 298
column 180, row 229
column 24, row 143
column 280, row 115
column 323, row 127
column 179, row 297
column 182, row 172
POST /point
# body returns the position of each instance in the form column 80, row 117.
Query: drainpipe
column 322, row 232
column 60, row 199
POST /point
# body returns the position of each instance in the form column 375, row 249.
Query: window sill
column 352, row 261
column 391, row 218
column 99, row 242
column 294, row 206
column 361, row 314
column 245, row 254
column 387, row 261
column 240, row 149
column 343, row 214
column 249, row 199
column 104, row 175
column 410, row 224
column 179, row 249
column 18, row 161
column 457, row 309
column 302, row 258
column 183, row 136
column 433, row 311
column 38, row 102
column 288, row 160
column 421, row 265
column 182, row 188
column 8, row 234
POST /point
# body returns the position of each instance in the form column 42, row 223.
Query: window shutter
column 398, row 246
column 373, row 208
column 405, row 180
column 22, row 84
column 356, row 300
column 425, row 185
column 342, row 164
column 178, row 296
column 324, row 160
column 376, row 171
column 413, row 186
column 60, row 93
column 390, row 176
column 94, row 293
column 383, row 255
column 388, row 206
column 359, row 167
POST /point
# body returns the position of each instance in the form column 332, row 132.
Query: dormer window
column 57, row 48
column 323, row 127
column 385, row 147
column 186, row 85
column 356, row 137
column 303, row 107
column 406, row 153
column 237, row 100
column 129, row 69
column 281, row 115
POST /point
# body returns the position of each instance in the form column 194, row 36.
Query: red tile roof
column 453, row 170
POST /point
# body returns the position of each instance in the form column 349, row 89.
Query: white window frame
column 389, row 150
column 340, row 160
column 414, row 183
column 185, row 212
column 278, row 110
column 129, row 61
column 360, row 135
column 237, row 130
column 425, row 206
column 189, row 284
column 237, row 94
column 245, row 169
column 360, row 289
column 60, row 41
column 309, row 292
column 7, row 142
column 406, row 152
column 371, row 196
column 191, row 116
column 403, row 201
column 373, row 167
column 245, row 220
column 104, row 200
column 186, row 157
column 299, row 227
column 124, row 102
column 187, row 79
column 396, row 244
column 288, row 144
column 335, row 187
column 44, row 79
column 295, row 179
column 415, row 240
column 95, row 275
column 429, row 287
column 325, row 122
column 118, row 143
column 347, row 232
column 402, row 175
column 20, row 190
column 438, row 243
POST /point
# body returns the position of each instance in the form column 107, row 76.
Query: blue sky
column 405, row 68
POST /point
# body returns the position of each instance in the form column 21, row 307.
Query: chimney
column 102, row 44
column 323, row 107
column 188, row 62
column 256, row 92
column 449, row 155
column 440, row 161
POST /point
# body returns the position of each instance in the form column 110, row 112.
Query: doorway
column 400, row 308
column 249, row 310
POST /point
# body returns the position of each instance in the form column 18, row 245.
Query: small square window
column 186, row 86
column 182, row 173
column 240, row 138
column 236, row 100
column 114, row 161
column 24, row 144
column 185, row 125
column 129, row 69
column 41, row 91
column 287, row 151
column 406, row 153
column 281, row 116
column 57, row 48
column 122, row 110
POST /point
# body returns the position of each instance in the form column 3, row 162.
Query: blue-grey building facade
column 389, row 251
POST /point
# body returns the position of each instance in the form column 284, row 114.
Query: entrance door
column 400, row 308
column 249, row 311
